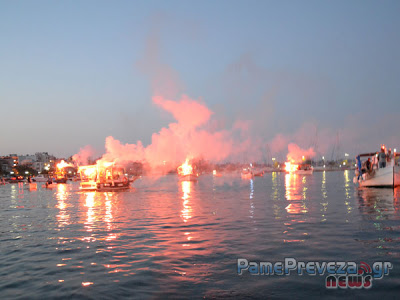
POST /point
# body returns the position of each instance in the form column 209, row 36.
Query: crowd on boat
column 376, row 160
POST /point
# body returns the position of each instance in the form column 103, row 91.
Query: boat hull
column 384, row 177
column 94, row 186
column 304, row 172
column 188, row 177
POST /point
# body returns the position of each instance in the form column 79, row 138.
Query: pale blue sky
column 70, row 71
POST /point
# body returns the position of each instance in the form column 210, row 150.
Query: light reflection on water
column 183, row 238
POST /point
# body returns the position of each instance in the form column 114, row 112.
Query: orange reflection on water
column 186, row 212
column 296, row 194
column 89, row 224
column 108, row 218
column 61, row 195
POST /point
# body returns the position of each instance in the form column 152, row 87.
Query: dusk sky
column 74, row 72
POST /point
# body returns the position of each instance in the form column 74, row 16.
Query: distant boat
column 303, row 169
column 259, row 174
column 39, row 178
column 388, row 176
column 306, row 170
column 247, row 173
column 186, row 172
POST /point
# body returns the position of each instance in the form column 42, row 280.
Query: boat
column 39, row 178
column 61, row 172
column 186, row 172
column 247, row 173
column 259, row 174
column 302, row 169
column 16, row 179
column 377, row 176
column 104, row 177
column 188, row 177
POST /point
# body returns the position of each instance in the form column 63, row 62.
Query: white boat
column 388, row 176
column 304, row 172
column 39, row 178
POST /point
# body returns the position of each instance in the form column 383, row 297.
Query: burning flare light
column 185, row 168
column 62, row 164
column 289, row 167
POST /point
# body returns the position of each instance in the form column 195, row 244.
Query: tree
column 22, row 169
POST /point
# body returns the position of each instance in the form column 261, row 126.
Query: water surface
column 173, row 239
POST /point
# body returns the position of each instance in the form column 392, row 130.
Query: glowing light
column 62, row 164
column 289, row 167
column 87, row 283
column 185, row 168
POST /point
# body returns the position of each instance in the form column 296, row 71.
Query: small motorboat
column 39, row 178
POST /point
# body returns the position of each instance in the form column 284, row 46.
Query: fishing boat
column 247, row 173
column 302, row 169
column 104, row 177
column 186, row 172
column 375, row 175
column 61, row 173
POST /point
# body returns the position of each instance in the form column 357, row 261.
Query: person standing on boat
column 368, row 165
column 382, row 158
